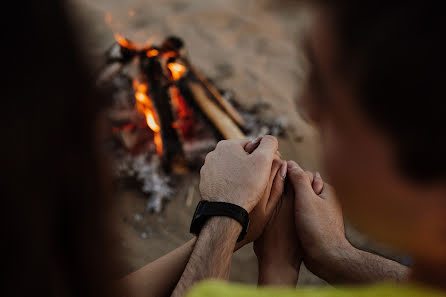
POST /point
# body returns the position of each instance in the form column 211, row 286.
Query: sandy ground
column 248, row 47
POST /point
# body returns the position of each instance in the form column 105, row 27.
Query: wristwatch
column 207, row 209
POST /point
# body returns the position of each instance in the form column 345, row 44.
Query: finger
column 252, row 145
column 328, row 192
column 310, row 175
column 274, row 170
column 236, row 144
column 318, row 183
column 277, row 188
column 299, row 179
column 267, row 148
column 241, row 142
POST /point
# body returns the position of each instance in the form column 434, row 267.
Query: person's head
column 375, row 91
column 55, row 235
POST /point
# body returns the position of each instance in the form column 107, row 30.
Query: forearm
column 159, row 277
column 353, row 266
column 212, row 254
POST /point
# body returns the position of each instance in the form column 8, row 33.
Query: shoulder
column 223, row 289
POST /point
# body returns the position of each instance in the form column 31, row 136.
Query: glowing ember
column 159, row 143
column 124, row 42
column 177, row 70
column 170, row 54
column 185, row 120
column 152, row 53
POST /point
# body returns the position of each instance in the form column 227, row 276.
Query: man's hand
column 318, row 218
column 232, row 175
column 320, row 227
column 278, row 249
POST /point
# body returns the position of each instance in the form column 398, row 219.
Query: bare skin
column 278, row 250
column 328, row 253
column 160, row 277
column 248, row 176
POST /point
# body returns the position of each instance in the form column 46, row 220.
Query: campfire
column 166, row 115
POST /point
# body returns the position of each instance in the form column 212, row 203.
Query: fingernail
column 279, row 154
column 317, row 174
column 257, row 140
column 283, row 170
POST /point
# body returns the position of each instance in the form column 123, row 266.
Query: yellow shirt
column 221, row 289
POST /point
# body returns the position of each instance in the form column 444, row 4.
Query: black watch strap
column 206, row 209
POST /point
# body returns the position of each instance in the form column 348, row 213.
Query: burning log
column 159, row 92
column 176, row 45
column 168, row 91
column 221, row 120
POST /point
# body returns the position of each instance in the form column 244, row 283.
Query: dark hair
column 395, row 51
column 55, row 233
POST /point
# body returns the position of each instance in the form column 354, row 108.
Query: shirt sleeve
column 223, row 289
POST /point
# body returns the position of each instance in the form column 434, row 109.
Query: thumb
column 299, row 180
column 267, row 148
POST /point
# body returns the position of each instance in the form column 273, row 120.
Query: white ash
column 147, row 234
column 255, row 124
column 147, row 171
column 137, row 217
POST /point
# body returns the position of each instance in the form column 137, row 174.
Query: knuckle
column 271, row 138
column 297, row 174
column 202, row 170
column 220, row 144
column 208, row 158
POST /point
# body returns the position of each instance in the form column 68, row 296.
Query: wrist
column 279, row 273
column 325, row 262
column 222, row 227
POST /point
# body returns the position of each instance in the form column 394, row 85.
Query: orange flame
column 159, row 143
column 144, row 105
column 151, row 122
column 124, row 42
column 177, row 70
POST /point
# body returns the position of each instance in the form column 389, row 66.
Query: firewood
column 109, row 72
column 219, row 118
column 233, row 113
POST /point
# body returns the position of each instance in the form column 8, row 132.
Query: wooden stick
column 109, row 72
column 233, row 113
column 219, row 118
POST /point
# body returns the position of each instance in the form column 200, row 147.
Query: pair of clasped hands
column 294, row 215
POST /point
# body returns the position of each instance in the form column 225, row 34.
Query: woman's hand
column 278, row 250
